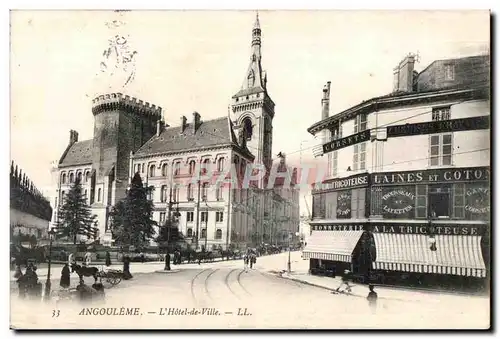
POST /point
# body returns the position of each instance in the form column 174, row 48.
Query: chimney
column 325, row 102
column 73, row 137
column 183, row 123
column 196, row 121
column 160, row 127
column 404, row 74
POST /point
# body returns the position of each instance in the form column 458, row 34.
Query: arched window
column 164, row 170
column 192, row 165
column 99, row 194
column 218, row 234
column 177, row 168
column 87, row 176
column 190, row 233
column 164, row 193
column 204, row 191
column 247, row 128
column 220, row 164
column 152, row 171
column 71, row 178
column 251, row 79
column 175, row 194
column 190, row 192
column 203, row 233
column 79, row 177
column 63, row 178
column 206, row 166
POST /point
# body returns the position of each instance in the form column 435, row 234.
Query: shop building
column 408, row 188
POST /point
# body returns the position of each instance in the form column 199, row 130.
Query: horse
column 83, row 271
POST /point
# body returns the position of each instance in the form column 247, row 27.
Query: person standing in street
column 108, row 259
column 88, row 258
column 71, row 259
column 65, row 277
column 245, row 261
column 372, row 299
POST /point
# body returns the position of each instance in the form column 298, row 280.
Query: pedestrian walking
column 372, row 299
column 65, row 277
column 71, row 259
column 167, row 261
column 345, row 282
column 245, row 262
column 126, row 268
column 88, row 258
column 108, row 259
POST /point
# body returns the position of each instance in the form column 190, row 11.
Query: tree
column 131, row 217
column 75, row 217
column 169, row 234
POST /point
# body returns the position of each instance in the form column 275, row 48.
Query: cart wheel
column 114, row 280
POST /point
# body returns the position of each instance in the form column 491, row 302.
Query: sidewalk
column 300, row 273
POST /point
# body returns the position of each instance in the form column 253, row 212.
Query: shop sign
column 358, row 180
column 469, row 174
column 437, row 229
column 441, row 126
column 338, row 227
column 398, row 202
column 347, row 141
column 344, row 205
column 478, row 200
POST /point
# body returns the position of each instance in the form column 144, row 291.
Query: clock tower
column 253, row 108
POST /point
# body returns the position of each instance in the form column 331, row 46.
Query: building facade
column 30, row 211
column 409, row 176
column 183, row 165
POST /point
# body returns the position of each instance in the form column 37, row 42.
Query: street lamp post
column 48, row 283
column 289, row 266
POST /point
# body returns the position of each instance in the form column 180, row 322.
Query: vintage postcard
column 256, row 169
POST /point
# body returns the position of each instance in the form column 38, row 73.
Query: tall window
column 220, row 164
column 79, row 177
column 358, row 203
column 218, row 234
column 63, row 178
column 441, row 149
column 71, row 178
column 192, row 165
column 190, row 192
column 203, row 233
column 87, row 176
column 204, row 216
column 164, row 170
column 421, row 202
column 190, row 216
column 164, row 193
column 359, row 157
column 177, row 168
column 152, row 171
column 99, row 194
column 359, row 123
column 62, row 197
column 142, row 168
column 336, row 133
column 449, row 72
column 459, row 201
column 175, row 194
column 85, row 196
column 206, row 166
column 440, row 201
column 162, row 217
column 204, row 191
column 219, row 216
column 189, row 232
column 218, row 192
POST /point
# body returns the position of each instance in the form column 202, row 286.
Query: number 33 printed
column 56, row 313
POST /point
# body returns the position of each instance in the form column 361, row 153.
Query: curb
column 167, row 272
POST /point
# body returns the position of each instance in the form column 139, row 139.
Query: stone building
column 407, row 192
column 131, row 137
column 30, row 211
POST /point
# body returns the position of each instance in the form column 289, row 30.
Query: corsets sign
column 478, row 200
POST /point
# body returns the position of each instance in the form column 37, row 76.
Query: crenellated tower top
column 118, row 101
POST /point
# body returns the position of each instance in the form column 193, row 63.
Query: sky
column 196, row 60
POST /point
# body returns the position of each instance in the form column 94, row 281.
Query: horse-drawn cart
column 114, row 277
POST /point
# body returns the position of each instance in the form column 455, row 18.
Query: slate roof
column 211, row 133
column 249, row 91
column 80, row 153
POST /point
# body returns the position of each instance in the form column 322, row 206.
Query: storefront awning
column 332, row 245
column 454, row 255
